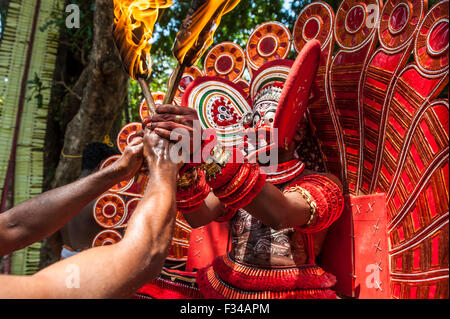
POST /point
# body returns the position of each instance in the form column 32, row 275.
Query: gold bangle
column 187, row 179
column 218, row 159
column 308, row 197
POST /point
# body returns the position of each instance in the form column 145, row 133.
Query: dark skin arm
column 116, row 271
column 270, row 206
column 41, row 216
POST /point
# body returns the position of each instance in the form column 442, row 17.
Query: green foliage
column 235, row 26
column 79, row 39
column 134, row 100
column 3, row 11
column 37, row 87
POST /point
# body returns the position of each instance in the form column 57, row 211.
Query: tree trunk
column 102, row 97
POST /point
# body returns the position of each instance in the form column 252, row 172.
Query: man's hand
column 132, row 158
column 158, row 155
column 178, row 124
column 169, row 117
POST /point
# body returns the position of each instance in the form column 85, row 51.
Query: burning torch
column 134, row 21
column 196, row 36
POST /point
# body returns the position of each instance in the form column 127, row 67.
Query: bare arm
column 270, row 206
column 42, row 215
column 115, row 271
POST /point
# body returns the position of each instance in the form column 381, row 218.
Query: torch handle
column 174, row 83
column 148, row 95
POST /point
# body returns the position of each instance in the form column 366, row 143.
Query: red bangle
column 192, row 205
column 328, row 200
column 190, row 199
column 200, row 195
column 252, row 194
column 244, row 188
column 333, row 194
column 235, row 183
column 331, row 187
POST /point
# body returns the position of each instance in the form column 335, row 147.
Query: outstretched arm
column 115, row 271
column 270, row 206
column 42, row 215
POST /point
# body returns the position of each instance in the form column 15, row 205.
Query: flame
column 134, row 21
column 197, row 31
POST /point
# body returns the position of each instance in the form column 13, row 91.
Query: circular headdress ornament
column 158, row 98
column 356, row 22
column 127, row 134
column 271, row 72
column 226, row 60
column 220, row 104
column 189, row 75
column 109, row 210
column 399, row 22
column 269, row 41
column 432, row 46
column 314, row 22
column 121, row 186
column 106, row 237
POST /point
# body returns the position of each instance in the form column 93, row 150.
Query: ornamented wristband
column 308, row 198
column 328, row 199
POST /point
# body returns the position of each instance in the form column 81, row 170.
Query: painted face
column 266, row 103
column 261, row 121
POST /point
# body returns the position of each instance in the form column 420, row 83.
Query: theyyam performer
column 279, row 214
column 372, row 191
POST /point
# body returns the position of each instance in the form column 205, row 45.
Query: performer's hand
column 158, row 155
column 132, row 158
column 178, row 124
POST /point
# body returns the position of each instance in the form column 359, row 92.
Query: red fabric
column 351, row 246
column 158, row 289
column 296, row 92
column 254, row 279
column 242, row 284
column 206, row 243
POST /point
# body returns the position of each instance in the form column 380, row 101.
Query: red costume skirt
column 171, row 284
column 228, row 279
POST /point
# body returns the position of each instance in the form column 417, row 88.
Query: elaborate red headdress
column 296, row 92
column 281, row 87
